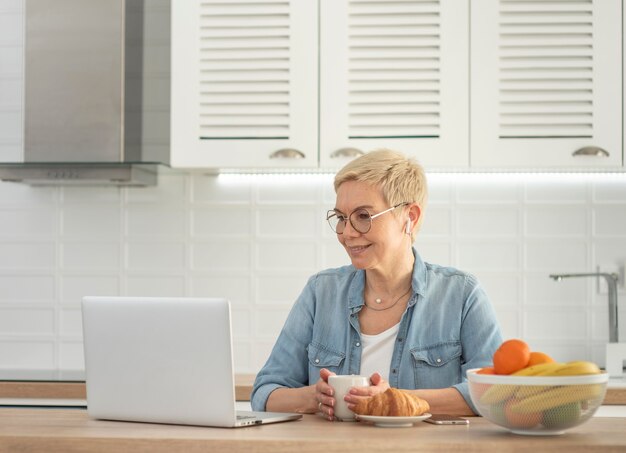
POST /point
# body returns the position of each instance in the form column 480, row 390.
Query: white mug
column 341, row 385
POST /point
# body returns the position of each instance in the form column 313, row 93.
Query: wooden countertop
column 71, row 430
column 243, row 389
column 76, row 390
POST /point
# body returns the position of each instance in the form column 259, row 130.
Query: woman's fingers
column 324, row 395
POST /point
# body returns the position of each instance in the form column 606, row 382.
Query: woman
column 405, row 323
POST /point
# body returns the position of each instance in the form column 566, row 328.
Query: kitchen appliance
column 84, row 118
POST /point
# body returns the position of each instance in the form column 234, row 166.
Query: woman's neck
column 392, row 281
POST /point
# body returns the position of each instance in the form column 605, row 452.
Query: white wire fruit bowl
column 537, row 405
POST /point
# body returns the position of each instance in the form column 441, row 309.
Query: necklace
column 390, row 306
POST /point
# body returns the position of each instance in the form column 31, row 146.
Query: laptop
column 163, row 360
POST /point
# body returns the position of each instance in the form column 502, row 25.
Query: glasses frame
column 333, row 212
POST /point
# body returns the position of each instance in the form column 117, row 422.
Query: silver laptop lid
column 164, row 360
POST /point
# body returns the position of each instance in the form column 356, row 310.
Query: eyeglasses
column 360, row 219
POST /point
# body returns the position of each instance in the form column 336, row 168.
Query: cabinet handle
column 346, row 152
column 287, row 153
column 591, row 151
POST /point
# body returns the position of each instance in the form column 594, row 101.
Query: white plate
column 392, row 422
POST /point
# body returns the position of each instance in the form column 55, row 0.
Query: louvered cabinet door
column 244, row 83
column 546, row 84
column 394, row 74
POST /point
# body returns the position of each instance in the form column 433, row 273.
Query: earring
column 408, row 226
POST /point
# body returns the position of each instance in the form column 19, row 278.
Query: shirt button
column 399, row 340
column 317, row 360
column 357, row 344
column 393, row 371
column 438, row 360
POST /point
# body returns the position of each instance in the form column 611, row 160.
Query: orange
column 486, row 370
column 511, row 356
column 537, row 358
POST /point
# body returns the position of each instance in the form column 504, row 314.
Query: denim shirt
column 449, row 326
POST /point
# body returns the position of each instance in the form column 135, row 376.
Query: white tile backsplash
column 158, row 255
column 90, row 255
column 292, row 221
column 155, row 222
column 235, row 288
column 71, row 356
column 437, row 221
column 499, row 221
column 542, row 291
column 279, row 289
column 550, row 324
column 610, row 220
column 29, row 287
column 27, row 321
column 74, row 287
column 18, row 354
column 35, row 223
column 221, row 221
column 488, row 254
column 565, row 192
column 155, row 285
column 278, row 256
column 24, row 255
column 91, row 221
column 71, row 322
column 549, row 254
column 269, row 322
column 225, row 255
column 556, row 220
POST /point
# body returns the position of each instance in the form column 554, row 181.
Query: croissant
column 392, row 402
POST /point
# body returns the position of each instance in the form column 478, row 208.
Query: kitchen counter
column 615, row 394
column 71, row 430
column 76, row 390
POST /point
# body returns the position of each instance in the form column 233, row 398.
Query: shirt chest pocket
column 437, row 366
column 323, row 357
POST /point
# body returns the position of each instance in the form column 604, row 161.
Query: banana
column 556, row 397
column 498, row 393
column 576, row 368
column 540, row 369
column 526, row 391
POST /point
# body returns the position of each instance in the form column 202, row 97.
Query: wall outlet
column 612, row 268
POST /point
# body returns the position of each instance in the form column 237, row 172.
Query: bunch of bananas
column 575, row 368
column 550, row 396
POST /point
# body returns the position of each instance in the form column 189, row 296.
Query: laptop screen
column 166, row 360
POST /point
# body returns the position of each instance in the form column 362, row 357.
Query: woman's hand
column 324, row 395
column 378, row 385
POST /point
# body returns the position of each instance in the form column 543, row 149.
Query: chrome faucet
column 611, row 281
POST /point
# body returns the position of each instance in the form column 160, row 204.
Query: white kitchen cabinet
column 546, row 81
column 244, row 84
column 395, row 75
column 510, row 84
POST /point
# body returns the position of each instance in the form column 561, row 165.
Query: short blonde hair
column 399, row 177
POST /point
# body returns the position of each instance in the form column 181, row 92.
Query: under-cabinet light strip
column 469, row 177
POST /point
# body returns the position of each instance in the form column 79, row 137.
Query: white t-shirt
column 377, row 352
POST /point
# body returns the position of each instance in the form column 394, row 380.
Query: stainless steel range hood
column 83, row 104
